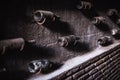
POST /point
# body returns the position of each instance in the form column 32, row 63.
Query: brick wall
column 103, row 67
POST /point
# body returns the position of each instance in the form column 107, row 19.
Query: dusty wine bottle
column 84, row 5
column 42, row 16
column 41, row 65
column 11, row 44
column 115, row 33
column 98, row 20
column 104, row 41
column 114, row 15
column 118, row 22
column 67, row 40
column 112, row 12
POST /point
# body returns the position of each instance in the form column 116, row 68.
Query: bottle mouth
column 101, row 42
column 94, row 20
column 112, row 12
column 34, row 67
column 84, row 5
column 114, row 32
column 62, row 42
column 98, row 20
column 39, row 17
column 118, row 21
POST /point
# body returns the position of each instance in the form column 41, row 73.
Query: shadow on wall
column 39, row 52
column 59, row 27
column 90, row 13
column 103, row 27
column 79, row 47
